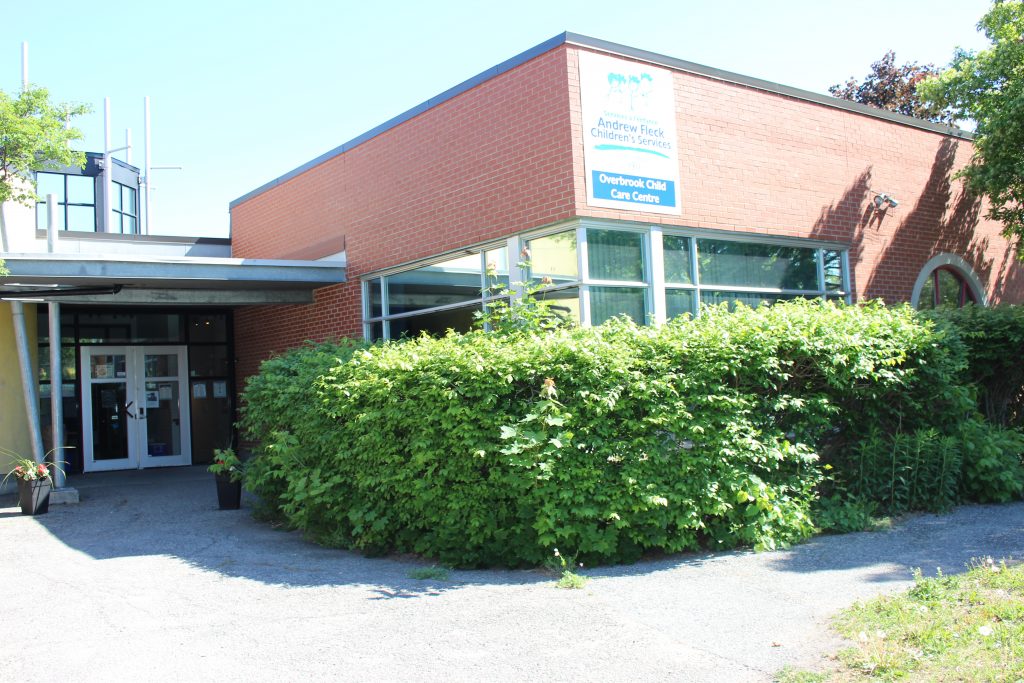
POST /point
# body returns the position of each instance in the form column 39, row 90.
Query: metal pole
column 56, row 395
column 107, row 170
column 24, row 65
column 147, row 170
column 56, row 371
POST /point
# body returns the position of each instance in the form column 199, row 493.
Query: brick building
column 627, row 182
column 768, row 192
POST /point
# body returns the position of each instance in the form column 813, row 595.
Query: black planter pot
column 34, row 496
column 229, row 493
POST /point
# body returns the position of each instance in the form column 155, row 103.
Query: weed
column 570, row 579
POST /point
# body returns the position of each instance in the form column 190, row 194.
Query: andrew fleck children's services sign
column 629, row 135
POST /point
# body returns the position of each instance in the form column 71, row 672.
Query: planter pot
column 229, row 493
column 34, row 496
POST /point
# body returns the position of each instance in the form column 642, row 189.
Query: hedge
column 608, row 442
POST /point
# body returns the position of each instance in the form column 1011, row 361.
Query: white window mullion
column 656, row 276
column 695, row 276
column 845, row 260
column 367, row 327
column 583, row 268
column 516, row 273
column 819, row 255
column 385, row 328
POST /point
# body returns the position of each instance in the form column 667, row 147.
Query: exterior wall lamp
column 882, row 200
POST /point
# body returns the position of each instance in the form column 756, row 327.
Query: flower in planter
column 26, row 469
column 226, row 462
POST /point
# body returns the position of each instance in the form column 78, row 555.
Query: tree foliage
column 988, row 88
column 33, row 137
column 893, row 88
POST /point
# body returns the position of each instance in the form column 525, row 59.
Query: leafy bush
column 994, row 338
column 993, row 468
column 917, row 470
column 494, row 448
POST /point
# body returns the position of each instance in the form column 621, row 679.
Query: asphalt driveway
column 146, row 580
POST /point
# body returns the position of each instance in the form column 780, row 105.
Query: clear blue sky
column 243, row 92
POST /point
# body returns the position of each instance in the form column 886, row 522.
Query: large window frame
column 65, row 206
column 829, row 257
column 377, row 325
column 125, row 217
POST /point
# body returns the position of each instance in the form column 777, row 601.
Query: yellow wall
column 14, row 435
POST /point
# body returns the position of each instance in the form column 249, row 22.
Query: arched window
column 947, row 280
column 945, row 287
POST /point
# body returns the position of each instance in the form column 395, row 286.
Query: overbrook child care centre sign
column 629, row 135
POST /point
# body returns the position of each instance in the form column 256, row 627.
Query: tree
column 33, row 137
column 892, row 88
column 988, row 88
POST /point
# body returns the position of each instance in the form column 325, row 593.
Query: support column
column 28, row 380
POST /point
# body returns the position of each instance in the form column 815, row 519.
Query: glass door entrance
column 135, row 408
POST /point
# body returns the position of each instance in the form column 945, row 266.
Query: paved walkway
column 147, row 580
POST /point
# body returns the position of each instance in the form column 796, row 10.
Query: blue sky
column 243, row 92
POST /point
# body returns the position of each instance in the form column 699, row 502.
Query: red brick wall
column 756, row 162
column 507, row 156
column 495, row 160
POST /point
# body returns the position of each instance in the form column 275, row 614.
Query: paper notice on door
column 220, row 389
column 153, row 399
column 199, row 390
column 166, row 392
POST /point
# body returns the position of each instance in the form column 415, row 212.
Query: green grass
column 429, row 574
column 968, row 627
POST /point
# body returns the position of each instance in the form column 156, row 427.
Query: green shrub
column 993, row 468
column 917, row 470
column 994, row 338
column 494, row 448
column 842, row 513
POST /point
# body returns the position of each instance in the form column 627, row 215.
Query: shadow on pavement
column 174, row 513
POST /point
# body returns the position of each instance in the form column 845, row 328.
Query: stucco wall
column 14, row 434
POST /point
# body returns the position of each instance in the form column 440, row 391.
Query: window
column 593, row 272
column 125, row 209
column 947, row 280
column 945, row 286
column 436, row 297
column 76, row 201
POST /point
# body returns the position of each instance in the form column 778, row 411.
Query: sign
column 629, row 135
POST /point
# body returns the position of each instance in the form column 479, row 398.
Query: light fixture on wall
column 882, row 200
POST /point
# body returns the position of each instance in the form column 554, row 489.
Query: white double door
column 135, row 407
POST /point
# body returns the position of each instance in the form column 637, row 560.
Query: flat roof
column 579, row 40
column 165, row 280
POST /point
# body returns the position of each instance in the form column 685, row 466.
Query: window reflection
column 742, row 264
column 615, row 255
column 554, row 257
column 677, row 259
column 449, row 282
column 608, row 302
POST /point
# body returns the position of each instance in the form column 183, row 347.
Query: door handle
column 127, row 409
column 142, row 413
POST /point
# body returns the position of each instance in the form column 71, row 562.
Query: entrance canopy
column 170, row 280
